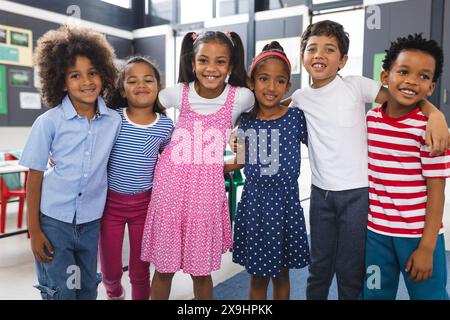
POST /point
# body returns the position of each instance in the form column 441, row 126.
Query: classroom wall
column 281, row 28
column 25, row 117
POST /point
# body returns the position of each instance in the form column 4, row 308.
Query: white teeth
column 408, row 92
column 318, row 65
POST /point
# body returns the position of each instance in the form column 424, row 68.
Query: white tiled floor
column 17, row 269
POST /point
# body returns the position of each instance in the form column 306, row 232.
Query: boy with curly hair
column 65, row 202
column 405, row 232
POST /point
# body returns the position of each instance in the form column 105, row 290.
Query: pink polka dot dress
column 188, row 226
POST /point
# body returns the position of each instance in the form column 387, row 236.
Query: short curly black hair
column 415, row 42
column 57, row 50
column 326, row 28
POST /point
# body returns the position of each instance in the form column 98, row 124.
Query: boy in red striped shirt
column 406, row 184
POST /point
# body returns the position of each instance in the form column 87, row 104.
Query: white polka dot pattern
column 188, row 225
column 270, row 232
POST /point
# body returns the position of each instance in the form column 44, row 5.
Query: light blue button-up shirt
column 77, row 184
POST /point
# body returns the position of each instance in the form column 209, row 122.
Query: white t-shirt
column 243, row 100
column 337, row 131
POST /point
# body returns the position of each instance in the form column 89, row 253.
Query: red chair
column 7, row 194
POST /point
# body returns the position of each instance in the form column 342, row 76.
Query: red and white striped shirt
column 399, row 164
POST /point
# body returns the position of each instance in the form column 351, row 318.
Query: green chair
column 232, row 181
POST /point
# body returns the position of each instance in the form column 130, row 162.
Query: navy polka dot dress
column 269, row 231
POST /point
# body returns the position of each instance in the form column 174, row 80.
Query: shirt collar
column 70, row 112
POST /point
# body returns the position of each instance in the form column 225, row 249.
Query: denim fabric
column 338, row 221
column 72, row 274
column 386, row 258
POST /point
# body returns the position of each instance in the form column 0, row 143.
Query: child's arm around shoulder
column 437, row 133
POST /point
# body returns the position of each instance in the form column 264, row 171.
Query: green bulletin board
column 3, row 101
column 377, row 68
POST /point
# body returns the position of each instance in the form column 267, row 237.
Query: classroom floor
column 17, row 275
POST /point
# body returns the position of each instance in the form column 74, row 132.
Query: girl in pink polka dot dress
column 187, row 226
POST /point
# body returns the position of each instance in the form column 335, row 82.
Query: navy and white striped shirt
column 134, row 155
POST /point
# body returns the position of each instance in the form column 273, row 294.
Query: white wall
column 13, row 137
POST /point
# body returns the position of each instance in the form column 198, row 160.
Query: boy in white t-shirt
column 334, row 108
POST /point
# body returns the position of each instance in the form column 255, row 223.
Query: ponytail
column 238, row 76
column 186, row 74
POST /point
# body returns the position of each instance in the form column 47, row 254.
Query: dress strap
column 185, row 99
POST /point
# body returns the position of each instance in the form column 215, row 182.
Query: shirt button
column 87, row 153
column 79, row 194
column 89, row 132
column 85, row 175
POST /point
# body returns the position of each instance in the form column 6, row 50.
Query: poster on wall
column 20, row 78
column 3, row 101
column 291, row 47
column 16, row 46
column 30, row 100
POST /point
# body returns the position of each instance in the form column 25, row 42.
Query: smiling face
column 322, row 59
column 211, row 66
column 83, row 83
column 140, row 85
column 270, row 82
column 410, row 79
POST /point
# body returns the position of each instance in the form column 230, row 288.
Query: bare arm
column 38, row 239
column 437, row 135
column 420, row 262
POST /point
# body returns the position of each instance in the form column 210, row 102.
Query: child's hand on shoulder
column 42, row 248
column 420, row 264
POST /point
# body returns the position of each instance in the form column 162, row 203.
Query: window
column 276, row 4
column 353, row 22
column 162, row 9
column 121, row 3
column 195, row 11
column 225, row 8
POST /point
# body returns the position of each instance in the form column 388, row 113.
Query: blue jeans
column 386, row 258
column 338, row 221
column 72, row 274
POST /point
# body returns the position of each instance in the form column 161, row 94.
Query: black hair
column 189, row 48
column 274, row 46
column 415, row 42
column 326, row 28
column 115, row 100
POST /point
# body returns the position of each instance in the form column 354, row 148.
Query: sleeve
column 295, row 103
column 171, row 97
column 166, row 140
column 245, row 100
column 434, row 167
column 302, row 129
column 367, row 89
column 37, row 148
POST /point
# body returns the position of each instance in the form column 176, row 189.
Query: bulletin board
column 377, row 68
column 3, row 97
column 16, row 46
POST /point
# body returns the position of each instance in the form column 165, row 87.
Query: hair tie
column 194, row 36
column 269, row 54
column 228, row 34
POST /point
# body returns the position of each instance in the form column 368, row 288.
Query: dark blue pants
column 338, row 221
column 72, row 274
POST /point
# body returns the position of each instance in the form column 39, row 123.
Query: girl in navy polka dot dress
column 269, row 233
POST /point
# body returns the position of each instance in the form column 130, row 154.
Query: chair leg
column 3, row 215
column 20, row 216
column 233, row 203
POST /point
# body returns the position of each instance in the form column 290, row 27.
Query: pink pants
column 122, row 209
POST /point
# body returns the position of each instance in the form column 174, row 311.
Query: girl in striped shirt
column 144, row 133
